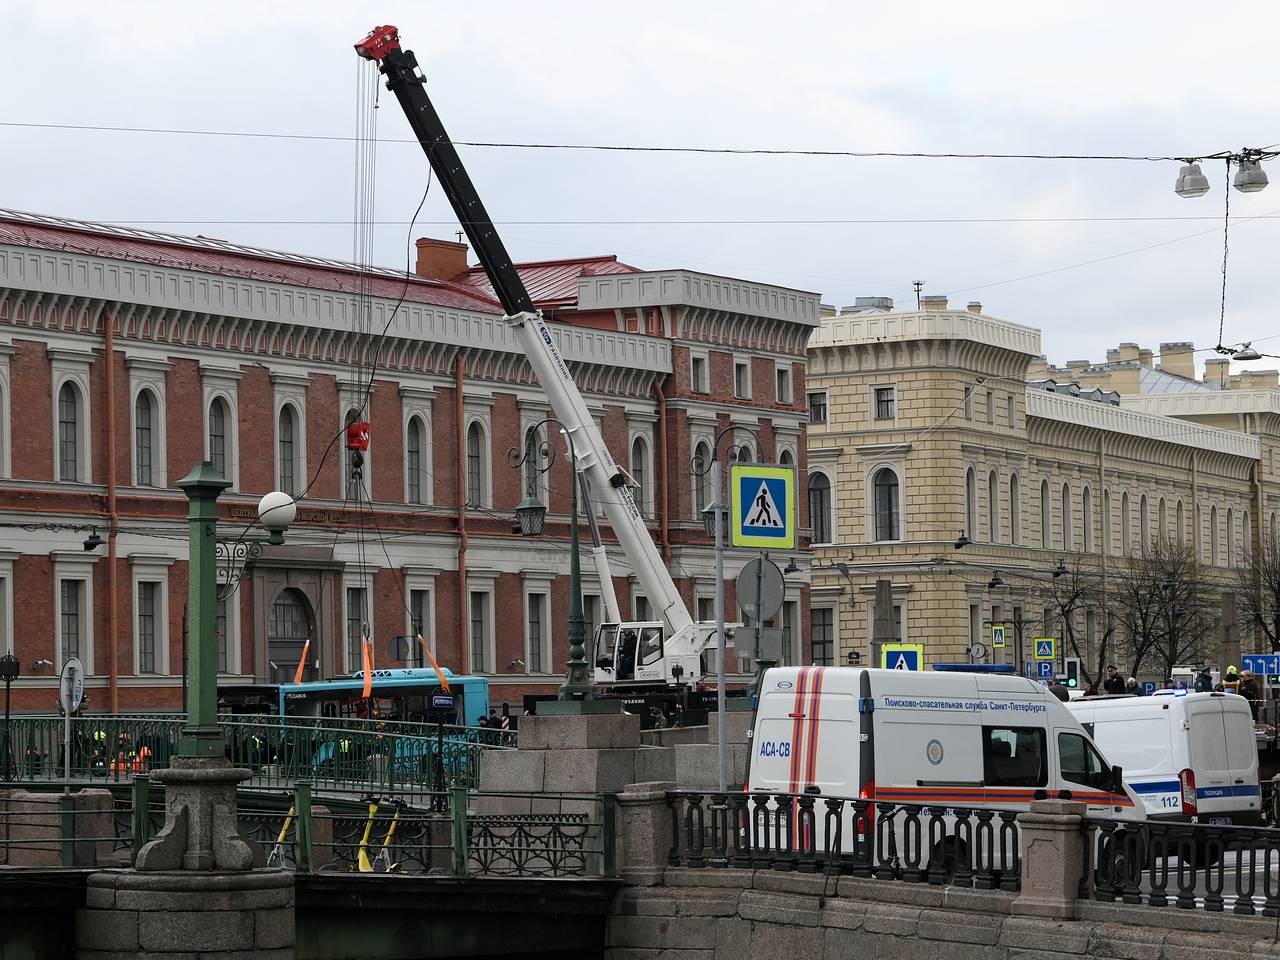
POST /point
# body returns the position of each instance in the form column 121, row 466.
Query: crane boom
column 594, row 461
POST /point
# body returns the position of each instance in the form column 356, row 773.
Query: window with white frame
column 640, row 603
column 1144, row 524
column 742, row 379
column 291, row 627
column 786, row 458
column 220, row 633
column 887, row 520
column 6, row 351
column 71, row 439
column 477, row 464
column 968, row 403
column 884, row 403
column 1126, row 528
column 479, row 626
column 357, row 618
column 287, row 450
column 817, row 406
column 1015, row 510
column 1012, row 410
column 822, row 635
column 6, row 600
column 1106, row 521
column 1065, row 539
column 991, row 407
column 698, row 372
column 1046, row 516
column 216, row 437
column 73, row 613
column 790, row 617
column 1180, row 521
column 1162, row 521
column 150, row 614
column 419, row 612
column 414, row 445
column 820, row 507
column 971, row 504
column 706, row 607
column 993, row 506
column 590, row 617
column 640, row 473
column 703, row 494
column 1086, row 519
column 144, row 417
column 536, row 632
column 1231, row 537
column 782, row 374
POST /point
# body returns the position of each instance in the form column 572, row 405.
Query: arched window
column 1086, row 519
column 1197, row 531
column 640, row 473
column 745, row 454
column 1126, row 532
column 1273, row 533
column 1066, row 517
column 970, row 504
column 413, row 443
column 1046, row 516
column 993, row 505
column 1181, row 521
column 887, row 518
column 69, row 433
column 820, row 507
column 287, row 443
column 1213, row 535
column 1231, row 538
column 218, row 435
column 1015, row 510
column 702, row 492
column 1106, row 521
column 475, row 464
column 1144, row 527
column 143, row 412
column 1162, row 521
column 786, row 459
column 1246, row 537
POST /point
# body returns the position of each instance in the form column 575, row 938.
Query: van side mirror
column 1117, row 779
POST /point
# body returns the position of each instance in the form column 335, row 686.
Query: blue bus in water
column 401, row 694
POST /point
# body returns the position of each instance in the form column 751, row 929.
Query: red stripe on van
column 815, row 701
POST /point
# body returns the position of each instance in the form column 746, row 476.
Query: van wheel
column 950, row 853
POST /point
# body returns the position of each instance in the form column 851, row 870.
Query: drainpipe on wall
column 113, row 517
column 460, row 467
column 663, row 474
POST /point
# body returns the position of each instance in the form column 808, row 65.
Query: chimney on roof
column 1144, row 357
column 872, row 303
column 934, row 303
column 440, row 259
column 1216, row 370
column 1128, row 352
column 975, row 306
column 1179, row 359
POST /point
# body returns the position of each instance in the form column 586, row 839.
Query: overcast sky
column 1168, row 79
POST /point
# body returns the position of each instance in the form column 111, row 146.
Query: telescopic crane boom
column 677, row 657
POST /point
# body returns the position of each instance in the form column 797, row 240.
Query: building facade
column 126, row 357
column 939, row 426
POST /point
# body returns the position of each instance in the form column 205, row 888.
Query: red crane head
column 379, row 42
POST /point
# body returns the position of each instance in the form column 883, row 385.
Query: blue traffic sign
column 1261, row 663
column 1148, row 688
column 1029, row 668
column 997, row 635
column 1046, row 648
column 1044, row 670
column 763, row 506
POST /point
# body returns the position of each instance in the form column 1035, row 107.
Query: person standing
column 1204, row 681
column 1249, row 690
column 1114, row 683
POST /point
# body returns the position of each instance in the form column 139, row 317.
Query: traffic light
column 1073, row 671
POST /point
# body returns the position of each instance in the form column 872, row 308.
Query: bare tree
column 1072, row 592
column 1259, row 591
column 1165, row 608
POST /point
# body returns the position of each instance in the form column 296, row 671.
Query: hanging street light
column 1250, row 178
column 995, row 581
column 1059, row 570
column 962, row 541
column 1191, row 182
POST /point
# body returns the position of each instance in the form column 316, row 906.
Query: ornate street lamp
column 10, row 668
column 531, row 515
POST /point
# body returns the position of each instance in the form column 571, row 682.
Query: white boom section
column 594, row 461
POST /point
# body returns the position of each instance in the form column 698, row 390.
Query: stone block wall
column 709, row 914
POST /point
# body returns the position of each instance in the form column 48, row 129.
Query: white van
column 1187, row 756
column 954, row 739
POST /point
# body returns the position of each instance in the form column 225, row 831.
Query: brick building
column 127, row 356
column 929, row 423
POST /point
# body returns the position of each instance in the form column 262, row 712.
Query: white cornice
column 1205, row 403
column 894, row 326
column 667, row 288
column 1104, row 416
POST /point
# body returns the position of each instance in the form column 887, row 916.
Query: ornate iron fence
column 961, row 846
column 1186, row 865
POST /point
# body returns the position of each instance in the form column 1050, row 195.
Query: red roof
column 219, row 256
column 551, row 283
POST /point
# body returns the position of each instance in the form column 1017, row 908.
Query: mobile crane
column 630, row 657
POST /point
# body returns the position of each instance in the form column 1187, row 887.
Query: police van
column 1187, row 756
column 953, row 739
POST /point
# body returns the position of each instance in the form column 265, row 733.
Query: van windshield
column 1014, row 757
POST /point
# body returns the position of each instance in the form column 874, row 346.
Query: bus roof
column 400, row 676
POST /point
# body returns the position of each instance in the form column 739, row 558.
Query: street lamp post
column 715, row 519
column 577, row 693
column 10, row 668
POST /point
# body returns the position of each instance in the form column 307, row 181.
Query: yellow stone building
column 931, row 424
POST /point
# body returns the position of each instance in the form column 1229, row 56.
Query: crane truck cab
column 899, row 736
column 642, row 653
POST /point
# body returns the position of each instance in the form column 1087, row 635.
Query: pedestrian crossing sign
column 1046, row 648
column 902, row 656
column 997, row 635
column 763, row 506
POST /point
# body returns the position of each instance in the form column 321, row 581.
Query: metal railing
column 357, row 757
column 1187, row 865
column 960, row 846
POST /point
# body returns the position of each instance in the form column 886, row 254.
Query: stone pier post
column 1053, row 858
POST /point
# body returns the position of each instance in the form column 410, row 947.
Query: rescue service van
column 954, row 739
column 1187, row 756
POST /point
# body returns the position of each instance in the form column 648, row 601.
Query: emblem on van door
column 784, row 684
column 933, row 752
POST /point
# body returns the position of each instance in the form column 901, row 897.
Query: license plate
column 1224, row 821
